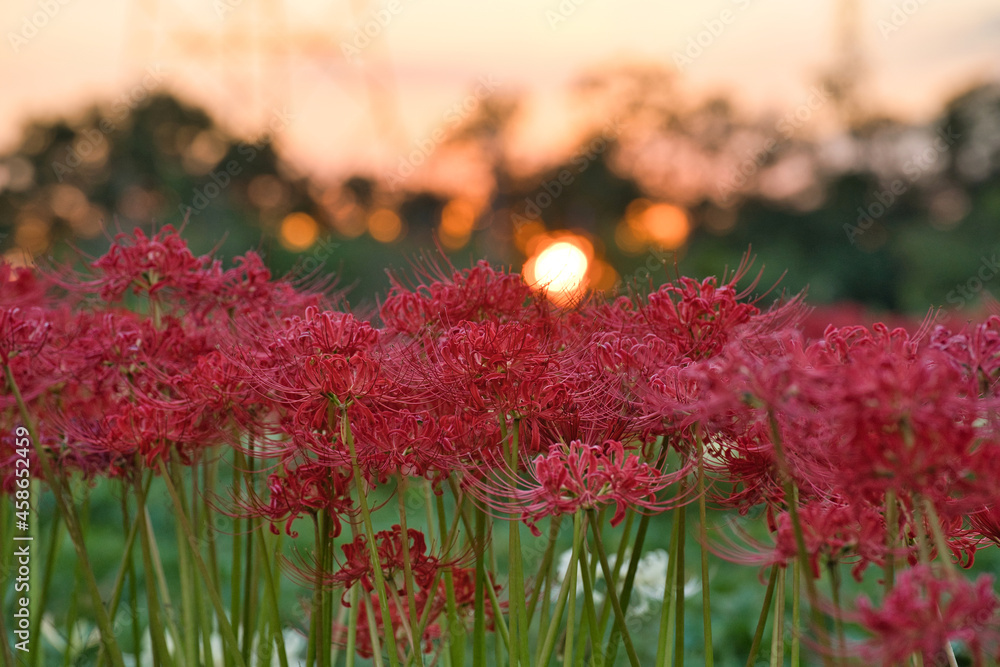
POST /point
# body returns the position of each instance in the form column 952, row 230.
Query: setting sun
column 560, row 270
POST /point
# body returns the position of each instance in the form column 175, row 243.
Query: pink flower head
column 23, row 287
column 21, row 332
column 498, row 369
column 579, row 476
column 986, row 522
column 150, row 265
column 477, row 294
column 305, row 489
column 390, row 547
column 923, row 612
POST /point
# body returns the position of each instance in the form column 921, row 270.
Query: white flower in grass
column 562, row 571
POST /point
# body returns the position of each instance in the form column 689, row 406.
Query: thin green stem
column 408, row 585
column 588, row 607
column 758, row 634
column 891, row 532
column 838, row 624
column 455, row 629
column 250, row 574
column 664, row 646
column 545, row 566
column 187, row 582
column 797, row 611
column 519, row 613
column 54, row 541
column 72, row 524
column 479, row 613
column 359, row 485
column 160, row 654
column 612, row 593
column 792, row 498
column 633, row 568
column 71, row 617
column 326, row 595
column 225, row 628
column 236, row 561
column 373, row 633
column 679, row 582
column 352, row 624
column 568, row 583
column 778, row 629
column 6, row 557
column 569, row 641
column 272, row 599
column 315, row 616
column 703, row 533
column 126, row 569
column 161, row 581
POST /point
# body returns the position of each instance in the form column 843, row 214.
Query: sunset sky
column 260, row 62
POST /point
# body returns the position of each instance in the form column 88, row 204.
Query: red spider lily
column 247, row 293
column 892, row 417
column 357, row 565
column 833, row 532
column 408, row 442
column 860, row 413
column 363, row 642
column 987, row 523
column 21, row 332
column 577, row 477
column 603, row 374
column 923, row 612
column 697, row 317
column 22, row 287
column 303, row 488
column 477, row 294
column 314, row 364
column 977, row 354
column 430, row 602
column 150, row 266
column 503, row 370
column 745, row 469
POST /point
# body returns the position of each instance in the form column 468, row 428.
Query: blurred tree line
column 892, row 215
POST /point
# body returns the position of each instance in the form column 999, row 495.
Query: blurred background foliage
column 890, row 215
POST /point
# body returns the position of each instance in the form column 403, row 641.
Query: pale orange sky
column 255, row 61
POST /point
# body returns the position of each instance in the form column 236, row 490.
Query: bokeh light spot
column 385, row 226
column 298, row 231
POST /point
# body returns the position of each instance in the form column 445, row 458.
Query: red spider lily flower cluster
column 882, row 446
column 925, row 611
column 578, row 477
column 430, row 594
